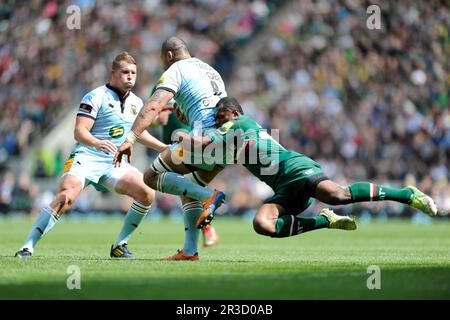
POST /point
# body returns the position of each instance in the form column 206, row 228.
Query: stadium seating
column 366, row 104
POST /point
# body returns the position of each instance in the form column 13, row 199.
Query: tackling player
column 296, row 181
column 103, row 120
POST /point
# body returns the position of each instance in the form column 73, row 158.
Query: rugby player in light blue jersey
column 104, row 118
column 196, row 87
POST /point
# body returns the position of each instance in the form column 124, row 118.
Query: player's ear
column 169, row 55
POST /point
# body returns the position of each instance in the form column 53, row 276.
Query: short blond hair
column 123, row 56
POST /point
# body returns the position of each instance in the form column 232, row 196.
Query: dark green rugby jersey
column 172, row 125
column 245, row 142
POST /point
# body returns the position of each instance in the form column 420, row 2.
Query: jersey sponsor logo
column 85, row 108
column 133, row 110
column 116, row 131
column 308, row 172
column 225, row 127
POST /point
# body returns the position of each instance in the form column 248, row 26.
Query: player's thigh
column 169, row 161
column 70, row 185
column 132, row 184
column 208, row 176
column 269, row 211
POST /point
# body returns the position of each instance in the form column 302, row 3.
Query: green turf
column 324, row 264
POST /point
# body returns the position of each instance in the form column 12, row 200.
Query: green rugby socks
column 366, row 191
column 289, row 225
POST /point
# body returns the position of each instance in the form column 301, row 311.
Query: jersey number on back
column 216, row 89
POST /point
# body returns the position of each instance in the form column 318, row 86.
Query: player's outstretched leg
column 272, row 220
column 177, row 184
column 132, row 185
column 69, row 189
column 329, row 192
column 44, row 223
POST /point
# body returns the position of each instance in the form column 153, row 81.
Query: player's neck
column 121, row 93
column 182, row 57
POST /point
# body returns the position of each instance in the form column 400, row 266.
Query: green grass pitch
column 326, row 264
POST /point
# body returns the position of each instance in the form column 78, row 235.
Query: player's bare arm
column 82, row 134
column 189, row 142
column 152, row 108
column 151, row 142
column 162, row 118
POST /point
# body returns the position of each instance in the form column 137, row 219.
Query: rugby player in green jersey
column 295, row 178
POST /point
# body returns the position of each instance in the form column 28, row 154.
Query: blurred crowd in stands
column 45, row 67
column 366, row 104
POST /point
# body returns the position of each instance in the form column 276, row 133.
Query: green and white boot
column 421, row 201
column 338, row 222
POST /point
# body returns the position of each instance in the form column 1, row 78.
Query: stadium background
column 366, row 104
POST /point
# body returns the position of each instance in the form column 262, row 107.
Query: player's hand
column 105, row 146
column 164, row 148
column 125, row 148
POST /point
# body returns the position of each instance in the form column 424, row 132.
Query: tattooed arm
column 152, row 108
column 190, row 142
column 145, row 117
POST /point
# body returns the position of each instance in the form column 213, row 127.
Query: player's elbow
column 76, row 134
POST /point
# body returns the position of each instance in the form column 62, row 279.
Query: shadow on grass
column 405, row 283
column 46, row 258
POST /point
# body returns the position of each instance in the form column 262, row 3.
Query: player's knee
column 262, row 226
column 335, row 196
column 147, row 196
column 150, row 178
column 340, row 196
column 63, row 202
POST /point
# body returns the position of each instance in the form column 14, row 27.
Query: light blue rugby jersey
column 114, row 116
column 197, row 87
